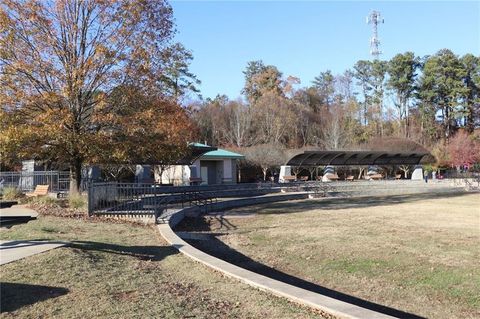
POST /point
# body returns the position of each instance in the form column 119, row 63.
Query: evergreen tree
column 442, row 86
column 471, row 99
column 325, row 86
column 402, row 74
column 363, row 73
column 176, row 79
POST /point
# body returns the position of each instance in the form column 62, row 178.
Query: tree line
column 426, row 100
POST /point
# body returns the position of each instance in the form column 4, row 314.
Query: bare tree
column 274, row 119
column 237, row 128
column 308, row 126
column 405, row 169
column 116, row 171
column 334, row 131
column 266, row 156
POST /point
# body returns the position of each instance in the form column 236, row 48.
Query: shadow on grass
column 15, row 295
column 220, row 250
column 199, row 224
column 349, row 203
column 153, row 253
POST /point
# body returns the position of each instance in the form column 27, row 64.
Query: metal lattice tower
column 374, row 18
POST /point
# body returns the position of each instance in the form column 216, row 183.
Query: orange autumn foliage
column 60, row 63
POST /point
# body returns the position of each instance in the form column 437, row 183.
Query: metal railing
column 132, row 198
column 114, row 198
column 58, row 181
column 469, row 180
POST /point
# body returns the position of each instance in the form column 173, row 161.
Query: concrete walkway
column 18, row 210
column 17, row 249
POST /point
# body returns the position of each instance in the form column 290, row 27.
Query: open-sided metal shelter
column 346, row 158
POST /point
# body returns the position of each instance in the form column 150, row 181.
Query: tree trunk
column 264, row 174
column 360, row 173
column 160, row 174
column 407, row 121
column 75, row 176
column 447, row 123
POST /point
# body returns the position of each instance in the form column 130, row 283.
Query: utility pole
column 374, row 18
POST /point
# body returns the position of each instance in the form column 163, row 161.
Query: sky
column 303, row 39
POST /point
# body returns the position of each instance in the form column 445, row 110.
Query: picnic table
column 289, row 178
column 332, row 177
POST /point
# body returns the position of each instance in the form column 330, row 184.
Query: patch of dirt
column 58, row 211
column 126, row 295
column 146, row 266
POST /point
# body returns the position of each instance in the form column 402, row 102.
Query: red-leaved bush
column 463, row 150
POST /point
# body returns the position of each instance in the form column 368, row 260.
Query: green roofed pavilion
column 218, row 153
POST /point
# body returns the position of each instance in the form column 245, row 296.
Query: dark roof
column 344, row 158
column 195, row 151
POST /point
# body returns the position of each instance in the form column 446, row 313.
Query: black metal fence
column 115, row 198
column 58, row 181
column 470, row 180
column 132, row 198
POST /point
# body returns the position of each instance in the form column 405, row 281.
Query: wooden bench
column 40, row 190
column 304, row 178
column 376, row 176
column 350, row 178
column 195, row 180
column 289, row 178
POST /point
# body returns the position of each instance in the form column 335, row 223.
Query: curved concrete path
column 318, row 301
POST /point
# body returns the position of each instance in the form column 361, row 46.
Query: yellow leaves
column 57, row 80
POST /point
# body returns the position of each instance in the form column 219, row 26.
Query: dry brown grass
column 118, row 270
column 417, row 253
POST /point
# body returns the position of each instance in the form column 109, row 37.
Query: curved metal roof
column 345, row 158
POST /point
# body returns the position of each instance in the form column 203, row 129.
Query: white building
column 213, row 167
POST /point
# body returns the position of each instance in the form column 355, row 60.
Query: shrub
column 77, row 201
column 45, row 200
column 10, row 193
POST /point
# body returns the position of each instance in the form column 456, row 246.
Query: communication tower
column 374, row 18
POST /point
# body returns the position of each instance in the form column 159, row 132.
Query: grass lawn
column 114, row 270
column 416, row 253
